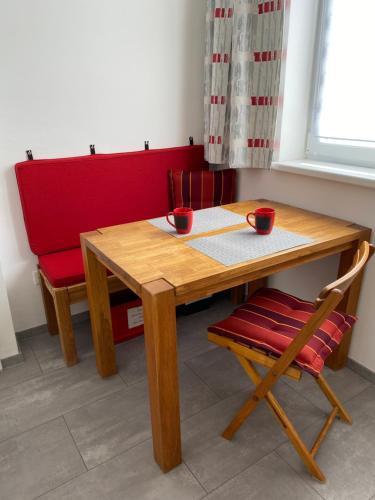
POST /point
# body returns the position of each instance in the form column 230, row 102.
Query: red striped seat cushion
column 202, row 189
column 271, row 319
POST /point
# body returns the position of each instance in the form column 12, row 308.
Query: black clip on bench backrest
column 92, row 149
column 29, row 154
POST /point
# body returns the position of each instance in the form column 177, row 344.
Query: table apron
column 188, row 293
column 216, row 284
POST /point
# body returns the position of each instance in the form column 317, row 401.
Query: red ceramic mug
column 264, row 220
column 183, row 219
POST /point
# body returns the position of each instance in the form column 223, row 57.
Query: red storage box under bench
column 126, row 315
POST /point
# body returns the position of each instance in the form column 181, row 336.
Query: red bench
column 62, row 198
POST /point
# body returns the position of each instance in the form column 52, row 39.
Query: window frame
column 328, row 150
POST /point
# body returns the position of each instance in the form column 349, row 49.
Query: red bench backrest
column 64, row 197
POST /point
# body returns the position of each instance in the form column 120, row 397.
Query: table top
column 140, row 253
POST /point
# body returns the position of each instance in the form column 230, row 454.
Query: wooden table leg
column 161, row 353
column 237, row 294
column 256, row 285
column 240, row 293
column 100, row 313
column 338, row 358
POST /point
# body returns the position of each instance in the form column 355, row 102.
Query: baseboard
column 12, row 360
column 38, row 330
column 361, row 370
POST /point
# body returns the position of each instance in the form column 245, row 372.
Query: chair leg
column 332, row 398
column 306, row 456
column 64, row 320
column 249, row 406
column 244, row 412
column 49, row 308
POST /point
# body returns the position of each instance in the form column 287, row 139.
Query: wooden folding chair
column 286, row 364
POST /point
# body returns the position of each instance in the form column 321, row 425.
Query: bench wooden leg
column 49, row 308
column 64, row 321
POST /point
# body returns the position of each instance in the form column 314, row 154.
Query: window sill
column 349, row 174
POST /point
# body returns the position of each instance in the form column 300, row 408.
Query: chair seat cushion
column 271, row 319
column 63, row 268
column 202, row 189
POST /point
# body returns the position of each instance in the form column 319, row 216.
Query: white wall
column 77, row 72
column 340, row 200
column 8, row 344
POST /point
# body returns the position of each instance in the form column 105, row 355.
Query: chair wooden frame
column 326, row 302
column 57, row 302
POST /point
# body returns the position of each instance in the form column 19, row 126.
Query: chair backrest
column 62, row 198
column 332, row 294
column 362, row 256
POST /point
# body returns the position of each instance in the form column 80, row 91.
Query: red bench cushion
column 202, row 189
column 63, row 268
column 271, row 319
column 64, row 197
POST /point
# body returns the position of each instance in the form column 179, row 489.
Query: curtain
column 244, row 40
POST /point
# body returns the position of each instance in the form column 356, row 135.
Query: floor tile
column 131, row 358
column 131, row 361
column 26, row 370
column 109, row 420
column 133, row 475
column 221, row 371
column 30, row 403
column 213, row 460
column 112, row 425
column 101, row 433
column 347, row 456
column 195, row 395
column 345, row 383
column 37, row 461
column 47, row 348
column 269, row 479
column 192, row 343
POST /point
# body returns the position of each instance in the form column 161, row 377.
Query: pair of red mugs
column 264, row 219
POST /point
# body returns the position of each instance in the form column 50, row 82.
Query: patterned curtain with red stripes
column 244, row 55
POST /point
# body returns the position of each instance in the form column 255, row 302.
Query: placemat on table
column 207, row 219
column 235, row 247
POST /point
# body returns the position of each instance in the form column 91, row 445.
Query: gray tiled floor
column 68, row 434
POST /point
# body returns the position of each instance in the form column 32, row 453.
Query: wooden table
column 165, row 272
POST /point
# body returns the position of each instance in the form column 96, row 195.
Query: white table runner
column 207, row 219
column 235, row 247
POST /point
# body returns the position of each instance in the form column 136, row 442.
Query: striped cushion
column 271, row 319
column 202, row 189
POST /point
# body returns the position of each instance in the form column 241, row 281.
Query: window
column 342, row 125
